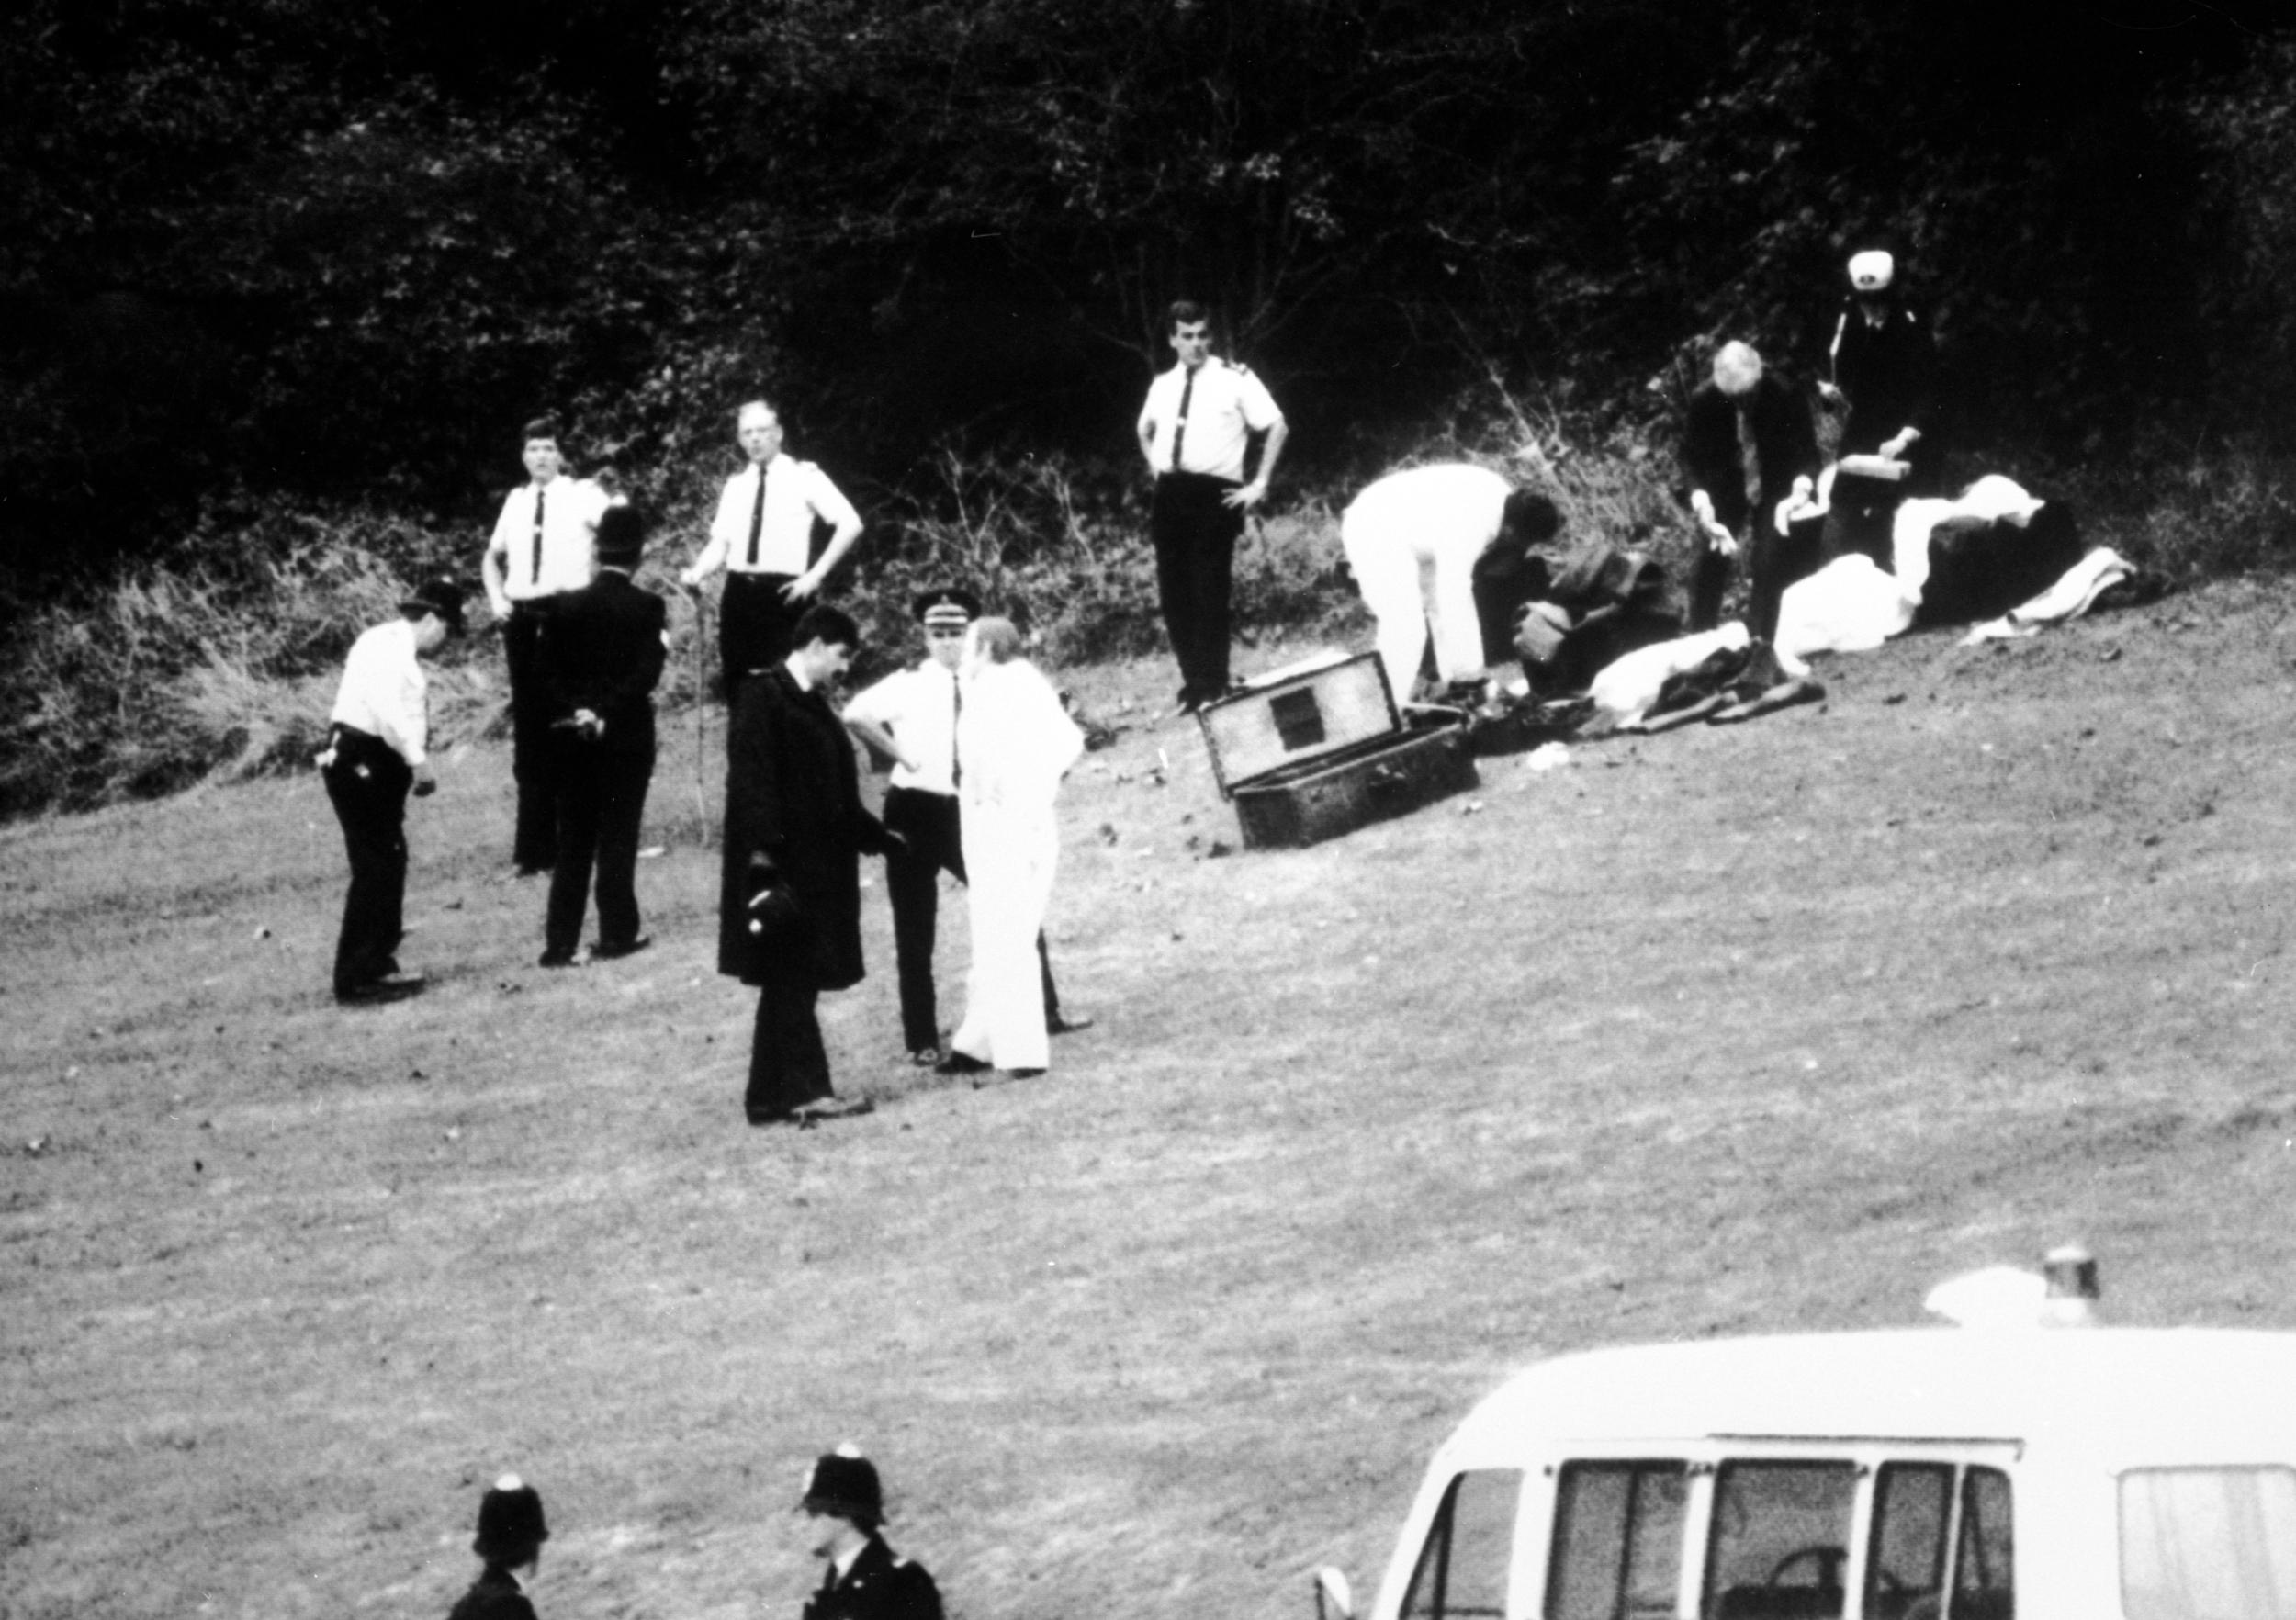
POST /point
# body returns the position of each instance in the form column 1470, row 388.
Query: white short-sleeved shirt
column 796, row 493
column 383, row 688
column 918, row 706
column 570, row 511
column 1225, row 404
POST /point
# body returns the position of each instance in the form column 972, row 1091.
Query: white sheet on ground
column 2069, row 597
column 1627, row 687
column 1849, row 605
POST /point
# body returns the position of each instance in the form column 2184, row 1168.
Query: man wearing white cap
column 1884, row 361
column 864, row 1579
column 911, row 716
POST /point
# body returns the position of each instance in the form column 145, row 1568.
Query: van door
column 1464, row 1563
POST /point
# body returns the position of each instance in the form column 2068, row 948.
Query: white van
column 1930, row 1474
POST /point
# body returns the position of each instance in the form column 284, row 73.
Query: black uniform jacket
column 793, row 793
column 495, row 1596
column 1786, row 446
column 603, row 650
column 1889, row 373
column 878, row 1587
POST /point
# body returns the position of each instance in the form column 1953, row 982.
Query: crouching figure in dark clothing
column 789, row 911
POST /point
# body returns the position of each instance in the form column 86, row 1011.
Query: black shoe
column 782, row 1118
column 602, row 952
column 389, row 987
column 1027, row 1074
column 557, row 959
column 835, row 1107
column 960, row 1062
column 925, row 1057
column 1059, row 1024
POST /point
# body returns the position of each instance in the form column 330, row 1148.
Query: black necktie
column 1750, row 457
column 537, row 575
column 1179, row 428
column 956, row 718
column 757, row 516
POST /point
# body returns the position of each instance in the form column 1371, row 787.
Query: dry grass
column 1721, row 1030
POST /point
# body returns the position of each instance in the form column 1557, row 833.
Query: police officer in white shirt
column 763, row 537
column 541, row 548
column 1196, row 431
column 378, row 752
column 911, row 718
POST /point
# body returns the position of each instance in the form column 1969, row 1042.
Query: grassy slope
column 1716, row 1031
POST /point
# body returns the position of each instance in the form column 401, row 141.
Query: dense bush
column 219, row 657
column 330, row 256
column 338, row 253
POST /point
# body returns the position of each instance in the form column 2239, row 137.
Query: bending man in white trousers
column 1413, row 540
column 1014, row 744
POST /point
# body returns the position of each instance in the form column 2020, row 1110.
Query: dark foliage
column 337, row 253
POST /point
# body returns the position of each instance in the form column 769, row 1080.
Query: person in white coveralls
column 1413, row 540
column 1014, row 744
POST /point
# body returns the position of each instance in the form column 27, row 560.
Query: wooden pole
column 700, row 715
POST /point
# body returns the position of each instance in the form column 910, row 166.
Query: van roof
column 2135, row 1394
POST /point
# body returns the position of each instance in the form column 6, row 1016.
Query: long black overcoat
column 792, row 792
column 603, row 650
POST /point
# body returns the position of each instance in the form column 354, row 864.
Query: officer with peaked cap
column 911, row 718
column 510, row 1538
column 378, row 752
column 865, row 1579
column 1884, row 361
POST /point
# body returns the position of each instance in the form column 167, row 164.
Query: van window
column 1618, row 1541
column 1913, row 1520
column 1985, row 1585
column 1780, row 1541
column 1463, row 1569
column 2207, row 1544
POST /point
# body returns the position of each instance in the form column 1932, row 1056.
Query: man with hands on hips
column 1195, row 430
column 763, row 537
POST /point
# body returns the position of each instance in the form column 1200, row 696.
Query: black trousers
column 1773, row 561
column 1194, row 532
column 932, row 827
column 754, row 624
column 535, row 842
column 368, row 785
column 602, row 802
column 789, row 1067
